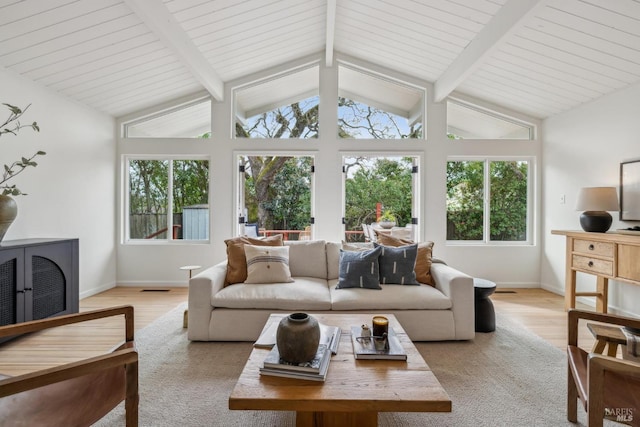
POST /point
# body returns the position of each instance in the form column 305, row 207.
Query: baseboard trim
column 153, row 284
column 95, row 291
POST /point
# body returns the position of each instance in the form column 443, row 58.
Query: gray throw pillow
column 397, row 264
column 359, row 269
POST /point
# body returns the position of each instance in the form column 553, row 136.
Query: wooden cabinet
column 605, row 255
column 38, row 279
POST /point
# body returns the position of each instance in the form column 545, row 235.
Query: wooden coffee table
column 354, row 391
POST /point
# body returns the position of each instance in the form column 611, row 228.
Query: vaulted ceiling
column 539, row 57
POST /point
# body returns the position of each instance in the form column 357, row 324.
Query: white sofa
column 238, row 312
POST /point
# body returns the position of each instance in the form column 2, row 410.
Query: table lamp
column 595, row 202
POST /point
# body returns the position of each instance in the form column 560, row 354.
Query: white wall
column 153, row 264
column 584, row 148
column 71, row 191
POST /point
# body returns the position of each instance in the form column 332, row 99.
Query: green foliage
column 507, row 204
column 386, row 181
column 12, row 126
column 286, row 201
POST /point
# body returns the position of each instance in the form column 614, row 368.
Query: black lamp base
column 596, row 221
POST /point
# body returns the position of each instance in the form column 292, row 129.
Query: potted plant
column 387, row 219
column 8, row 206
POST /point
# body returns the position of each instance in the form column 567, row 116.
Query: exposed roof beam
column 510, row 18
column 156, row 16
column 331, row 30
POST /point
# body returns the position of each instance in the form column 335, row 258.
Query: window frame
column 126, row 215
column 421, row 89
column 486, row 213
column 417, row 209
column 238, row 185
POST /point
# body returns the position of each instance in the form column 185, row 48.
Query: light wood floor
column 538, row 310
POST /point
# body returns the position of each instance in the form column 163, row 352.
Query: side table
column 485, row 313
column 190, row 268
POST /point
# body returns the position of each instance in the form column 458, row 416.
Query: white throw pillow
column 267, row 264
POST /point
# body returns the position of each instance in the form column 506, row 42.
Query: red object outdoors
column 378, row 211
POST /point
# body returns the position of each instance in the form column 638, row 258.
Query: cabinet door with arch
column 50, row 274
column 11, row 286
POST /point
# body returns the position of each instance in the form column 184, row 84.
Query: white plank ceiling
column 538, row 57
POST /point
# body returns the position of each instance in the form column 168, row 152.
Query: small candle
column 380, row 326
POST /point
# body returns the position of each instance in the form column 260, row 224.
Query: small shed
column 195, row 222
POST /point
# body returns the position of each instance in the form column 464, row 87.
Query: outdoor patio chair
column 73, row 394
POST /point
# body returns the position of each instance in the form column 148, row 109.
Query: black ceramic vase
column 297, row 338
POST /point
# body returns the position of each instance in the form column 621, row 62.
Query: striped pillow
column 267, row 264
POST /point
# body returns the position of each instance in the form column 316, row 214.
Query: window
column 280, row 107
column 488, row 200
column 275, row 195
column 374, row 107
column 465, row 121
column 160, row 186
column 374, row 185
column 191, row 120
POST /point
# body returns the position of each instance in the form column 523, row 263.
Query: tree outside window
column 358, row 120
column 487, row 200
column 150, row 184
column 374, row 185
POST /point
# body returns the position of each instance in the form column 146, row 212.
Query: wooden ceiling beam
column 509, row 19
column 162, row 23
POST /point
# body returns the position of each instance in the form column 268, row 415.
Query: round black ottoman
column 485, row 314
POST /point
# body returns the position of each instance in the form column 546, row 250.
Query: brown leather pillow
column 236, row 259
column 423, row 259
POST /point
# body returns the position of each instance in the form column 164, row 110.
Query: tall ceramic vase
column 8, row 212
column 297, row 338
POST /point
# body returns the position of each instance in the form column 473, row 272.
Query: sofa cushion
column 236, row 259
column 358, row 246
column 390, row 297
column 397, row 264
column 333, row 259
column 304, row 293
column 359, row 269
column 267, row 264
column 307, row 258
column 423, row 259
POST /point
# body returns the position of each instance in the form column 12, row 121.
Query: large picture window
column 379, row 185
column 168, row 199
column 488, row 200
column 275, row 196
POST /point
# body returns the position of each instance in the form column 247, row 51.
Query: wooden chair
column 606, row 386
column 78, row 393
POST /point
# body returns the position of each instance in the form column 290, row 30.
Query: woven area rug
column 507, row 378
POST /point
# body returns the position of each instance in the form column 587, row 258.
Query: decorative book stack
column 364, row 347
column 315, row 369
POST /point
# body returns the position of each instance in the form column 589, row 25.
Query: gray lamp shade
column 596, row 201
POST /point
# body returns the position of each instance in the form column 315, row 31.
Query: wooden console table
column 605, row 255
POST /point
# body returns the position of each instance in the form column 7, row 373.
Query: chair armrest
column 68, row 319
column 33, row 380
column 613, row 319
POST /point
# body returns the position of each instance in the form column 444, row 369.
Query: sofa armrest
column 202, row 287
column 458, row 287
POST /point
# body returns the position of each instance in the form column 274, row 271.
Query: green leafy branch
column 14, row 120
column 15, row 169
column 12, row 126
